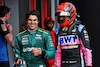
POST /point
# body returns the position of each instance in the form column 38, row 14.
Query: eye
column 35, row 19
column 61, row 17
column 30, row 19
column 57, row 13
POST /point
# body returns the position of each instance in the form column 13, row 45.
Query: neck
column 3, row 19
column 33, row 29
column 30, row 30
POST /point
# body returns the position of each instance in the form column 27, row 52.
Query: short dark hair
column 33, row 12
column 4, row 10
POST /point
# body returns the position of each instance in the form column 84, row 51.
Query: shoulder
column 80, row 27
column 43, row 31
column 57, row 31
column 21, row 33
column 53, row 31
column 1, row 23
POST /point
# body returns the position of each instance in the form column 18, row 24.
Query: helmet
column 68, row 11
column 48, row 19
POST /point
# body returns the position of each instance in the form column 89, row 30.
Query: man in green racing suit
column 33, row 45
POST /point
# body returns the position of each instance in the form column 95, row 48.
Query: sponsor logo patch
column 40, row 65
column 70, row 47
column 28, row 49
column 38, row 36
column 25, row 40
column 4, row 28
column 67, row 39
column 69, row 61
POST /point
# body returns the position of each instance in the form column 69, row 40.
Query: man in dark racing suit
column 73, row 44
column 5, row 35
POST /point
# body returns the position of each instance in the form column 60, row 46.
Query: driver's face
column 61, row 17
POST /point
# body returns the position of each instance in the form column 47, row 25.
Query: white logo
column 38, row 36
column 74, row 30
column 25, row 40
column 40, row 65
column 29, row 49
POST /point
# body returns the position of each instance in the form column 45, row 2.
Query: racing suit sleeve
column 3, row 29
column 49, row 52
column 58, row 50
column 85, row 47
column 17, row 49
column 58, row 56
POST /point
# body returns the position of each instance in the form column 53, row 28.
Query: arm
column 58, row 50
column 17, row 51
column 6, row 32
column 9, row 36
column 86, row 47
column 58, row 56
column 49, row 52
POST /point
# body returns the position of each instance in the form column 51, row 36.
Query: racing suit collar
column 31, row 32
column 1, row 21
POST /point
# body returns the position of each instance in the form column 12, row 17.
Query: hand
column 18, row 61
column 36, row 51
column 10, row 28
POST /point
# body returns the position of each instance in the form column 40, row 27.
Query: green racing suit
column 26, row 41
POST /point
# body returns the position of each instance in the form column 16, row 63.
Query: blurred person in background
column 49, row 24
column 24, row 26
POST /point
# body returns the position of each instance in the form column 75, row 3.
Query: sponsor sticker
column 38, row 37
column 70, row 47
column 69, row 61
column 25, row 40
column 4, row 28
column 40, row 65
column 67, row 39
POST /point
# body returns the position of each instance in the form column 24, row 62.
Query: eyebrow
column 33, row 20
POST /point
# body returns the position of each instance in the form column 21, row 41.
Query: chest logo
column 67, row 39
column 38, row 36
column 25, row 40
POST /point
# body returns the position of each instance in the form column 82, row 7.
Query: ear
column 38, row 21
column 6, row 15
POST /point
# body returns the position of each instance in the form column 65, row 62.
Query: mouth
column 32, row 25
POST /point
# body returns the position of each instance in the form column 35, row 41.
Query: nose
column 61, row 18
column 32, row 21
column 51, row 24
